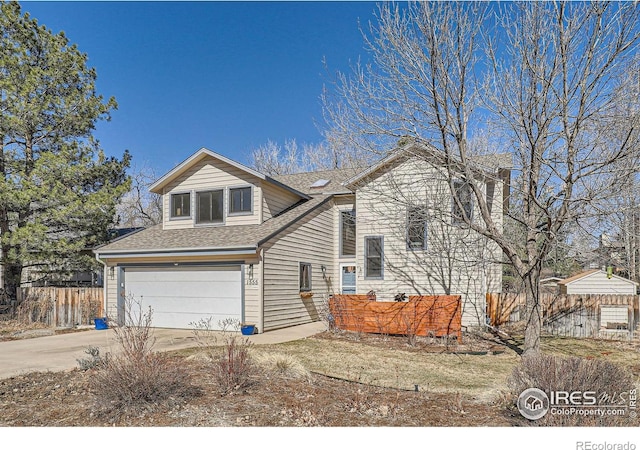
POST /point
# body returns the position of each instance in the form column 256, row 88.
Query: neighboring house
column 549, row 285
column 615, row 315
column 597, row 281
column 235, row 243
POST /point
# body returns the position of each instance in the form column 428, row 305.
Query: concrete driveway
column 60, row 352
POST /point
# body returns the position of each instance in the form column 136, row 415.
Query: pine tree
column 58, row 190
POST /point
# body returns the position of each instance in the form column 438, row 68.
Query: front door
column 347, row 278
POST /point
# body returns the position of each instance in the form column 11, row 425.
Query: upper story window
column 348, row 233
column 464, row 194
column 417, row 228
column 181, row 205
column 373, row 257
column 209, row 207
column 240, row 200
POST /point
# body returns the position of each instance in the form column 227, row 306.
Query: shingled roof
column 302, row 181
column 155, row 239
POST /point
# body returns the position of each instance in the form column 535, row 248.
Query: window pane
column 240, row 200
column 216, row 206
column 465, row 196
column 373, row 248
column 204, row 207
column 305, row 277
column 210, row 207
column 373, row 257
column 246, row 199
column 417, row 228
column 348, row 233
column 180, row 205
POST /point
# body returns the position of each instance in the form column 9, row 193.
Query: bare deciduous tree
column 537, row 77
column 139, row 207
column 273, row 159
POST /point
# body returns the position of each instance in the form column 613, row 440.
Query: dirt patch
column 44, row 399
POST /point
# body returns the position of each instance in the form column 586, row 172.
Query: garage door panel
column 179, row 274
column 183, row 289
column 181, row 296
column 171, row 320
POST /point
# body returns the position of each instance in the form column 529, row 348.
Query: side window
column 465, row 196
column 305, row 277
column 348, row 233
column 373, row 257
column 181, row 205
column 209, row 207
column 240, row 200
column 417, row 226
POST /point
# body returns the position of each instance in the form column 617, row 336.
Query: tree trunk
column 11, row 276
column 533, row 313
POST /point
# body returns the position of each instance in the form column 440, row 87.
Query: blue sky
column 223, row 75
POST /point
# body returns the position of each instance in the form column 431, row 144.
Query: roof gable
column 483, row 165
column 203, row 153
column 590, row 273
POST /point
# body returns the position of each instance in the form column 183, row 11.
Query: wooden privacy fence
column 439, row 315
column 575, row 315
column 60, row 307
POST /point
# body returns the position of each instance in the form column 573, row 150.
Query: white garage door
column 181, row 296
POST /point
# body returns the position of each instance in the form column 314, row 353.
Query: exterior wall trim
column 178, row 252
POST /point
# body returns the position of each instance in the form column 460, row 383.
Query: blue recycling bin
column 101, row 323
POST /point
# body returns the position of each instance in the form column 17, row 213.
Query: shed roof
column 589, row 273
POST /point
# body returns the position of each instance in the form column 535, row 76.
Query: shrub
column 136, row 378
column 284, row 364
column 229, row 354
column 553, row 373
column 94, row 360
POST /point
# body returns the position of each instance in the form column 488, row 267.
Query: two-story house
column 235, row 243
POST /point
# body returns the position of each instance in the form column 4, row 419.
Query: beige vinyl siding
column 253, row 293
column 275, row 200
column 211, row 174
column 311, row 241
column 111, row 283
column 598, row 283
column 456, row 260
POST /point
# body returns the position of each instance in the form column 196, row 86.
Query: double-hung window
column 181, row 205
column 240, row 200
column 305, row 277
column 210, row 206
column 373, row 257
column 464, row 206
column 417, row 228
column 347, row 233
